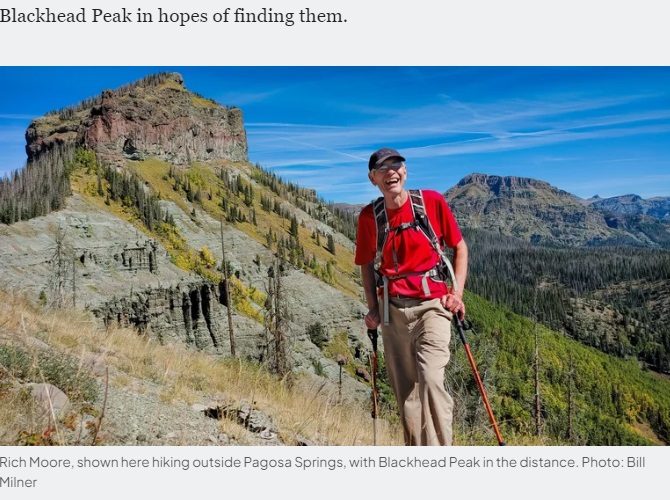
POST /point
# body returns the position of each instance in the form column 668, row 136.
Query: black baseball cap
column 381, row 155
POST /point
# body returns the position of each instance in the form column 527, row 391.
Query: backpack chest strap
column 431, row 273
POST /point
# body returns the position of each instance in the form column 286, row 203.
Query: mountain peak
column 538, row 212
column 633, row 204
column 155, row 116
column 526, row 208
column 508, row 185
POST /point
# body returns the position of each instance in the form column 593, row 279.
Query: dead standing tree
column 59, row 263
column 276, row 320
column 226, row 290
column 571, row 375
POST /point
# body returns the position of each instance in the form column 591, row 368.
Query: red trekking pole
column 372, row 333
column 461, row 331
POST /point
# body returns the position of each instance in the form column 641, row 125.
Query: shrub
column 317, row 334
column 50, row 366
column 318, row 368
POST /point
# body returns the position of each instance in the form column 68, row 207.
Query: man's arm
column 460, row 266
column 372, row 318
column 454, row 301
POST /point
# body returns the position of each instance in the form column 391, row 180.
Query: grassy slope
column 204, row 176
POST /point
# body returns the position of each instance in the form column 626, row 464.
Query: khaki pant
column 416, row 349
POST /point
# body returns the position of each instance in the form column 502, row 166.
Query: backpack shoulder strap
column 423, row 221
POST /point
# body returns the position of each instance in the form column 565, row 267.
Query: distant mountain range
column 538, row 212
column 632, row 204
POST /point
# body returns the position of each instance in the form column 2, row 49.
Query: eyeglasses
column 396, row 165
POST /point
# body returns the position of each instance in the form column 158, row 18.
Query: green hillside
column 613, row 298
column 588, row 397
column 289, row 220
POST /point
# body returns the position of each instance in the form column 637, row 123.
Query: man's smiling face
column 389, row 177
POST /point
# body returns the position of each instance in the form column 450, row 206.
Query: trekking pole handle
column 461, row 328
column 372, row 334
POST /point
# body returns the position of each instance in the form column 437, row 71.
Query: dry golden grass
column 645, row 430
column 201, row 102
column 234, row 431
column 17, row 413
column 299, row 407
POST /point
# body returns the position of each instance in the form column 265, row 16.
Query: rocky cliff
column 155, row 117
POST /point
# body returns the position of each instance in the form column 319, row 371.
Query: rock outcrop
column 155, row 117
column 190, row 312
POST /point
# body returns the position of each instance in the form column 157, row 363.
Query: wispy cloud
column 246, row 98
column 461, row 115
column 455, row 117
column 493, row 128
column 325, row 149
column 10, row 116
column 530, row 140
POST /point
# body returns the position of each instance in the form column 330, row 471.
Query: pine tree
column 331, row 243
column 294, row 227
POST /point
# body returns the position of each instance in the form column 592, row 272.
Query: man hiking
column 408, row 290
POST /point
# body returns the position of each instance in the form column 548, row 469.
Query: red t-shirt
column 413, row 251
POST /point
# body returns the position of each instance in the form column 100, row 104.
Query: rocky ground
column 136, row 415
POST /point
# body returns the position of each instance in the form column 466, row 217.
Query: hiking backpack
column 443, row 269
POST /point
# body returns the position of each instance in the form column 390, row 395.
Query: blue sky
column 587, row 130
